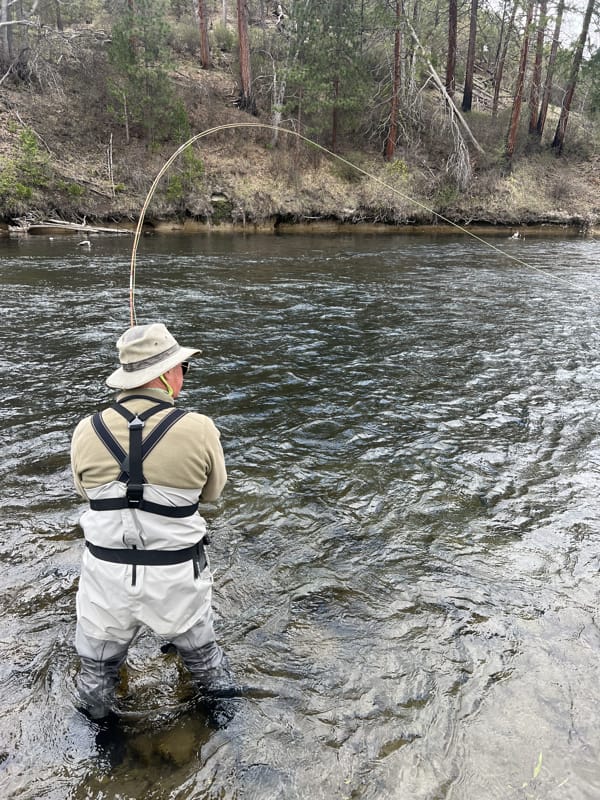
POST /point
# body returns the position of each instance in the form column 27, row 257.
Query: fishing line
column 341, row 159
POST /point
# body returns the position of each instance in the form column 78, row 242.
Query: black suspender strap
column 131, row 463
column 135, row 484
column 111, row 444
column 148, row 444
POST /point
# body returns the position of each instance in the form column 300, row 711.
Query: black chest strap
column 131, row 463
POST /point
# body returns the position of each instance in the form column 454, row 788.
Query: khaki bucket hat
column 145, row 352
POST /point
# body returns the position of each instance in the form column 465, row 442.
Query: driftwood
column 59, row 226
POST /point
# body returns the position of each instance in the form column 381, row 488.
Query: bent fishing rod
column 330, row 154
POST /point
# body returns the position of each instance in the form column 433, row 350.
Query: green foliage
column 348, row 168
column 75, row 12
column 398, row 169
column 29, row 158
column 184, row 38
column 32, row 165
column 13, row 193
column 74, row 190
column 346, row 172
column 329, row 72
column 27, row 171
column 446, row 197
column 179, row 8
column 139, row 84
column 222, row 38
column 187, row 179
column 222, row 211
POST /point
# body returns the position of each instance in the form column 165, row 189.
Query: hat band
column 136, row 366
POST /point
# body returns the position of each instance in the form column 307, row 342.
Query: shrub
column 223, row 38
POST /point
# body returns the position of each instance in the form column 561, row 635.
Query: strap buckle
column 135, row 494
column 136, row 423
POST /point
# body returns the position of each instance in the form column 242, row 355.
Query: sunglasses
column 185, row 367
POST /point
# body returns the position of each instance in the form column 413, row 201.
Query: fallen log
column 55, row 226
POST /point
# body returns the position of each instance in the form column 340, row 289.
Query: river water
column 406, row 555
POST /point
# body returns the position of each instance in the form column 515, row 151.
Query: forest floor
column 84, row 169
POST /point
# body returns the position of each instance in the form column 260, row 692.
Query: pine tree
column 139, row 83
column 330, row 72
column 203, row 30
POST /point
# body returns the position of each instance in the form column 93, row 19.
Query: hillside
column 62, row 138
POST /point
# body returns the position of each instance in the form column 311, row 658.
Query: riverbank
column 314, row 227
column 66, row 159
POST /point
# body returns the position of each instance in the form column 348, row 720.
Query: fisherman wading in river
column 144, row 466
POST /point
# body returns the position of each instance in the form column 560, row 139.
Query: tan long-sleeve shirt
column 190, row 456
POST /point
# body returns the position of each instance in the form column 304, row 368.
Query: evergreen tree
column 503, row 44
column 452, row 47
column 330, row 73
column 139, row 83
column 390, row 144
column 536, row 77
column 591, row 72
column 203, row 23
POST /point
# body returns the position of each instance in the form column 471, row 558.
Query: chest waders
column 131, row 466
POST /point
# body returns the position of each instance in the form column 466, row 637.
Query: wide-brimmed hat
column 145, row 352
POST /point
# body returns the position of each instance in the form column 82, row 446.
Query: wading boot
column 96, row 684
column 210, row 671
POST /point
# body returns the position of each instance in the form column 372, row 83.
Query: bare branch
column 26, row 22
column 439, row 83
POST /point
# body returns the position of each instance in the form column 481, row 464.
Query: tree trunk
column 59, row 22
column 518, row 96
column 536, row 77
column 501, row 61
column 541, row 121
column 203, row 26
column 13, row 14
column 390, row 145
column 246, row 101
column 470, row 68
column 278, row 98
column 559, row 137
column 334, row 113
column 279, row 87
column 5, row 49
column 452, row 44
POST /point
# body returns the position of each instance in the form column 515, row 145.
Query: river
column 405, row 556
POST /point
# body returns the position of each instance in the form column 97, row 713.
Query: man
column 144, row 465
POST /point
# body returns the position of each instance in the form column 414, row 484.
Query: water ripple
column 406, row 554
